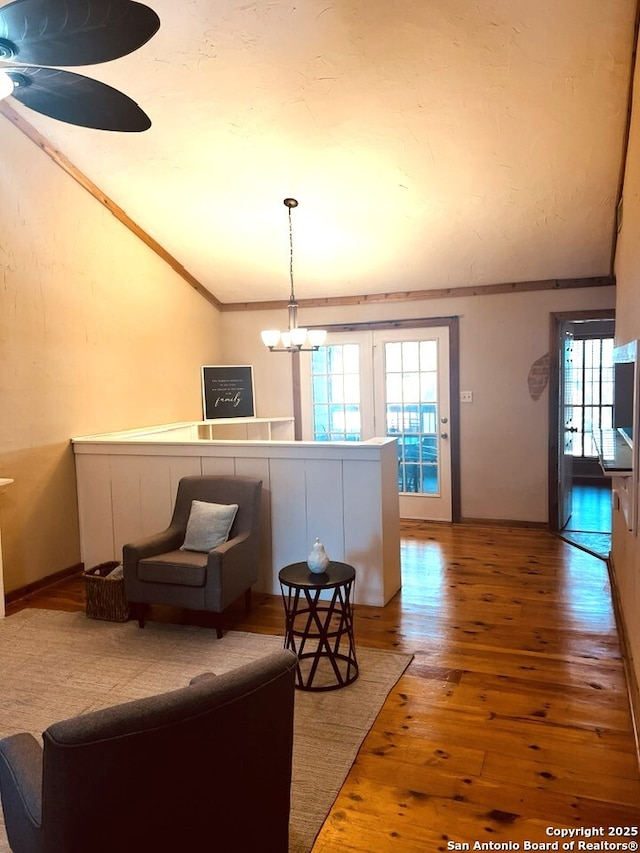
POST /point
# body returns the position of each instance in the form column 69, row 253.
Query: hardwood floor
column 513, row 719
column 591, row 508
column 589, row 526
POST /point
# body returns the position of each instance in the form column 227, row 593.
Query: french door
column 411, row 403
column 391, row 383
column 566, row 431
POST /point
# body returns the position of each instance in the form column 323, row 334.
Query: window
column 335, row 380
column 589, row 390
column 411, row 400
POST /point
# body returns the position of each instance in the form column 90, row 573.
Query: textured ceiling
column 430, row 143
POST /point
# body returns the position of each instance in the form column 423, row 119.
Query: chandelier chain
column 296, row 339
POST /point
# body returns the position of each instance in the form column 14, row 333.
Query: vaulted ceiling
column 430, row 143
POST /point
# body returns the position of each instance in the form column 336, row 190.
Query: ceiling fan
column 37, row 34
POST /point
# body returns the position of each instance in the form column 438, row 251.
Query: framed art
column 227, row 391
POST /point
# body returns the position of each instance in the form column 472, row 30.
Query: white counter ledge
column 345, row 493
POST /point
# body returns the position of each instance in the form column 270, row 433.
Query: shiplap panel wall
column 259, row 468
column 324, row 491
column 93, row 478
column 365, row 542
column 288, row 512
column 346, row 496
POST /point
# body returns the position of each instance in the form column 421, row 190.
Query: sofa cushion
column 185, row 568
column 208, row 526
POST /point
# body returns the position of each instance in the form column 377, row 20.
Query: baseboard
column 600, row 482
column 478, row 522
column 627, row 658
column 49, row 580
column 504, row 522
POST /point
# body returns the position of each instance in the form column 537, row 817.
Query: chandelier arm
column 294, row 348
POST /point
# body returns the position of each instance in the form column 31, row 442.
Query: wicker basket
column 105, row 597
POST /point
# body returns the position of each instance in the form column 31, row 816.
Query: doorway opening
column 396, row 379
column 580, row 402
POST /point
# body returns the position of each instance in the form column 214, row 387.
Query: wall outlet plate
column 466, row 396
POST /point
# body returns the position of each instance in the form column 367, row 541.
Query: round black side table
column 320, row 630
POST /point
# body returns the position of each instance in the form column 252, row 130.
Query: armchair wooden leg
column 140, row 613
column 247, row 600
column 213, row 620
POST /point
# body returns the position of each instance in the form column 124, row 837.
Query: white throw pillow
column 208, row 526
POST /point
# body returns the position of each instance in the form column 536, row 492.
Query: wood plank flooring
column 512, row 720
column 590, row 508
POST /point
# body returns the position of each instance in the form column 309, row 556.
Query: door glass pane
column 319, row 360
column 393, row 357
column 411, row 387
column 352, row 388
column 429, row 382
column 412, row 413
column 334, row 359
column 394, row 387
column 335, row 388
column 589, row 392
column 429, row 355
column 320, row 389
column 429, row 420
column 321, row 423
column 411, row 355
column 351, row 359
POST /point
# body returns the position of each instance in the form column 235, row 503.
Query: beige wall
column 96, row 333
column 504, row 433
column 626, row 545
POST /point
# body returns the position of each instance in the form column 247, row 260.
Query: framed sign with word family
column 227, row 391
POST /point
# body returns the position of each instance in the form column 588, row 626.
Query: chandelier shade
column 295, row 338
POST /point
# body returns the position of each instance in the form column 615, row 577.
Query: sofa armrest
column 230, row 544
column 233, row 556
column 233, row 568
column 21, row 783
column 168, row 540
column 204, row 676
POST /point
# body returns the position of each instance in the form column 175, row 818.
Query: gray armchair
column 157, row 571
column 206, row 767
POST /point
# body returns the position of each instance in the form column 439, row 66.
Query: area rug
column 54, row 665
column 598, row 544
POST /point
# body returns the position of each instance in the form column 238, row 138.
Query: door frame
column 453, row 325
column 418, row 505
column 557, row 322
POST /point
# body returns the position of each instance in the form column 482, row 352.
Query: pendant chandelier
column 296, row 338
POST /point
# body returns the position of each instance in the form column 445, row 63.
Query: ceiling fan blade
column 74, row 32
column 76, row 99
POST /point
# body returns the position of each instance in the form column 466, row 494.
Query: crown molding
column 419, row 295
